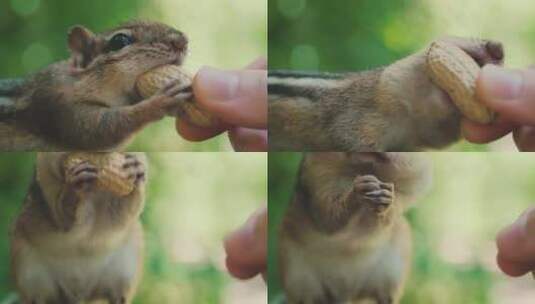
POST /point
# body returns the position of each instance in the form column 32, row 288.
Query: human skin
column 246, row 247
column 238, row 99
column 511, row 93
column 516, row 245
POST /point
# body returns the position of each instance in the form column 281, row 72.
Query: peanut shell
column 111, row 176
column 152, row 81
column 456, row 72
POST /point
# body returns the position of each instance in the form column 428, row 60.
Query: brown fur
column 89, row 101
column 396, row 108
column 73, row 242
column 337, row 246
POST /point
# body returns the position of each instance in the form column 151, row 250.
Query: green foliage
column 223, row 35
column 473, row 196
column 341, row 35
column 282, row 173
column 15, row 176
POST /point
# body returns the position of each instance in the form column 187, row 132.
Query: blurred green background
column 223, row 34
column 346, row 35
column 473, row 196
column 194, row 200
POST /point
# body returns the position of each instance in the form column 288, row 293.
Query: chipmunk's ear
column 82, row 44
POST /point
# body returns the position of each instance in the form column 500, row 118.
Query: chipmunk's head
column 120, row 55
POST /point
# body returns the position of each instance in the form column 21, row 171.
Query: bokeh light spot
column 397, row 37
column 25, row 7
column 36, row 56
column 291, row 8
column 305, row 57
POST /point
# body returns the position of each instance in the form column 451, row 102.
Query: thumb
column 237, row 97
column 246, row 248
column 509, row 92
column 516, row 245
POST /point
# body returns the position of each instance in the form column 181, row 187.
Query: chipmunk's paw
column 82, row 177
column 481, row 50
column 134, row 169
column 173, row 96
column 378, row 194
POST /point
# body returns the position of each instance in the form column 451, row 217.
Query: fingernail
column 500, row 83
column 217, row 85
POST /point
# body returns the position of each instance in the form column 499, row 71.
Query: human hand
column 511, row 93
column 238, row 99
column 516, row 246
column 247, row 247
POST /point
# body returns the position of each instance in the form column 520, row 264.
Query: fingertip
column 473, row 132
column 239, row 243
column 515, row 242
column 238, row 271
column 236, row 97
column 508, row 92
column 196, row 134
column 511, row 268
column 214, row 87
column 241, row 261
column 248, row 140
column 497, row 86
column 509, row 240
column 481, row 133
column 248, row 244
column 525, row 138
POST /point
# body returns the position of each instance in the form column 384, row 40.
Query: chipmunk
column 89, row 102
column 74, row 242
column 393, row 108
column 343, row 238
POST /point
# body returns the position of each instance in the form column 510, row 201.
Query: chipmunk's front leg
column 80, row 181
column 98, row 128
column 322, row 111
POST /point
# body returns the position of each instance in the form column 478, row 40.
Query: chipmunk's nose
column 179, row 42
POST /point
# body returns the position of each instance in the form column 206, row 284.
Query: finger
column 239, row 271
column 516, row 243
column 259, row 64
column 480, row 133
column 249, row 140
column 525, row 138
column 514, row 269
column 367, row 187
column 246, row 248
column 511, row 93
column 193, row 133
column 237, row 97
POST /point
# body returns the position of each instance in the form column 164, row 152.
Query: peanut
column 456, row 72
column 150, row 82
column 111, row 177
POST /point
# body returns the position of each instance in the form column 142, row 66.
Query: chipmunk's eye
column 119, row 41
